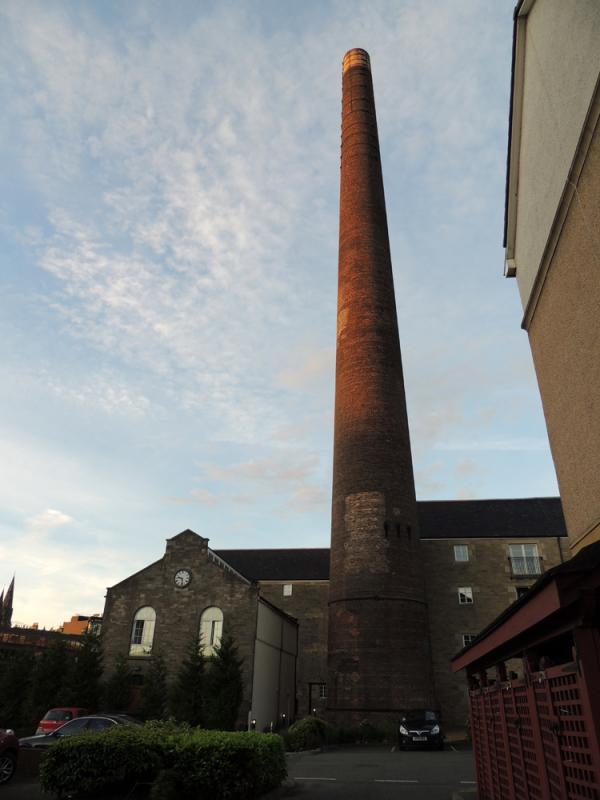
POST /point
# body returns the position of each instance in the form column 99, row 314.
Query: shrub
column 309, row 733
column 186, row 763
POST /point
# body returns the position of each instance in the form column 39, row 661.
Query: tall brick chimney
column 379, row 653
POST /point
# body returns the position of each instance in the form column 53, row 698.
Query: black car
column 91, row 723
column 420, row 728
column 9, row 749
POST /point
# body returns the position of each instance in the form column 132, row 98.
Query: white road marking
column 453, row 748
column 393, row 750
column 393, row 780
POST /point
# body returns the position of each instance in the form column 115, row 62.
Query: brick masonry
column 378, row 645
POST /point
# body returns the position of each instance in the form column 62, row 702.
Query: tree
column 117, row 689
column 223, row 686
column 49, row 685
column 154, row 690
column 84, row 676
column 15, row 686
column 188, row 687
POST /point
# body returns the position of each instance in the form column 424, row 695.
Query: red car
column 9, row 749
column 56, row 718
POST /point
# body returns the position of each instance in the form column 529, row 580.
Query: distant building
column 80, row 624
column 551, row 235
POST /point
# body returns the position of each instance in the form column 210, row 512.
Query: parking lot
column 383, row 773
column 351, row 773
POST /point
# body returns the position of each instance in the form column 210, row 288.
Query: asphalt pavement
column 362, row 773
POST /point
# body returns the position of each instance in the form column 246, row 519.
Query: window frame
column 287, row 589
column 467, row 593
column 464, row 547
column 143, row 629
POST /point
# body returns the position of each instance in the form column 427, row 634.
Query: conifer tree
column 84, row 675
column 117, row 689
column 16, row 671
column 49, row 684
column 154, row 690
column 223, row 686
column 188, row 687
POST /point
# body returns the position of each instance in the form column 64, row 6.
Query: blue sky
column 168, row 215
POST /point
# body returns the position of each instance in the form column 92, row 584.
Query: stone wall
column 178, row 610
column 308, row 604
column 488, row 574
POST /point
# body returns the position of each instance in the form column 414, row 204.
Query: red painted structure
column 536, row 735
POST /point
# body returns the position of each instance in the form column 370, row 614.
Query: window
column 211, row 630
column 524, row 559
column 142, row 633
column 72, row 728
column 465, row 595
column 99, row 724
column 322, row 691
column 468, row 639
column 461, row 552
column 287, row 589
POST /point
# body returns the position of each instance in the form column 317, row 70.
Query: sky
column 169, row 217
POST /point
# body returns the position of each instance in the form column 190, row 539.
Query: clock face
column 182, row 577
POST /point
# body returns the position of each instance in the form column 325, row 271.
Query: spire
column 379, row 658
column 7, row 608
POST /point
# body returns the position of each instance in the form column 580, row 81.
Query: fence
column 534, row 739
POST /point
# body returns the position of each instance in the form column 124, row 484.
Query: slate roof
column 535, row 517
column 301, row 564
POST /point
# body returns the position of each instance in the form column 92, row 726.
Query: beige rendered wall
column 564, row 335
column 273, row 689
column 562, row 62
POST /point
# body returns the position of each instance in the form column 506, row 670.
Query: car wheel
column 8, row 764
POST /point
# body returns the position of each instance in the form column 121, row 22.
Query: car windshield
column 414, row 716
column 58, row 714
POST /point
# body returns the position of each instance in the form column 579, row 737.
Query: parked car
column 9, row 751
column 56, row 717
column 90, row 724
column 420, row 728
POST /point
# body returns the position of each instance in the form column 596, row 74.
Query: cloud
column 279, row 469
column 50, row 518
column 202, row 497
column 466, row 466
column 313, row 367
column 309, row 498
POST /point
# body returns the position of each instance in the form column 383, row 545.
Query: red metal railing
column 535, row 739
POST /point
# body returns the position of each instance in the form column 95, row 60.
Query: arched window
column 142, row 632
column 211, row 630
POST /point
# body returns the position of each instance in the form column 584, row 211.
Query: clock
column 182, row 578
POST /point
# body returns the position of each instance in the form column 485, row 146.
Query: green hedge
column 201, row 763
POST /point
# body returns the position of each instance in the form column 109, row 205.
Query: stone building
column 192, row 591
column 478, row 556
column 551, row 234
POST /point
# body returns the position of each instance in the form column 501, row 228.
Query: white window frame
column 142, row 632
column 468, row 639
column 465, row 595
column 519, row 555
column 461, row 548
column 322, row 691
column 211, row 630
column 287, row 589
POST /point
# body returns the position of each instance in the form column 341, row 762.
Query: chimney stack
column 379, row 651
